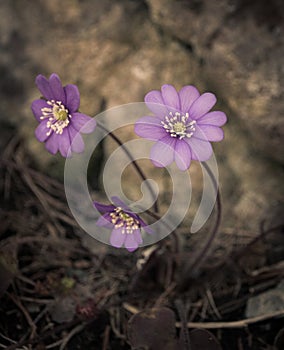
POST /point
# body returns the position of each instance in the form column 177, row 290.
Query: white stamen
column 121, row 219
column 177, row 125
column 57, row 116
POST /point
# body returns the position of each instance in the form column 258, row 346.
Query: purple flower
column 126, row 226
column 182, row 125
column 58, row 116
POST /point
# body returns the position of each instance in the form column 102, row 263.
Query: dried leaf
column 153, row 329
column 201, row 339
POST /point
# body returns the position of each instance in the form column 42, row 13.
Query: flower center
column 178, row 125
column 57, row 117
column 121, row 219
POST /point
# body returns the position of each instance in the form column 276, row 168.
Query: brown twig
column 233, row 324
column 218, row 325
column 44, row 336
column 71, row 334
column 106, row 338
column 18, row 302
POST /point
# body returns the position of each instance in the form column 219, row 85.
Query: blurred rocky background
column 118, row 50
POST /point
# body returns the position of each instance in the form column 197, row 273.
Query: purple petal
column 150, row 128
column 200, row 150
column 41, row 131
column 170, row 97
column 104, row 221
column 36, row 107
column 52, row 143
column 43, row 85
column 198, row 133
column 119, row 203
column 146, row 227
column 137, row 236
column 117, row 238
column 216, row 118
column 72, row 97
column 83, row 123
column 103, row 208
column 155, row 103
column 130, row 243
column 64, row 144
column 134, row 215
column 207, row 132
column 188, row 94
column 56, row 88
column 162, row 153
column 77, row 143
column 182, row 155
column 202, row 105
column 212, row 133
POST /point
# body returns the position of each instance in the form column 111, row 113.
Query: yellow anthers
column 57, row 115
column 120, row 219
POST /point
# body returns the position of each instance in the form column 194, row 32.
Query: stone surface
column 244, row 44
column 116, row 51
column 267, row 302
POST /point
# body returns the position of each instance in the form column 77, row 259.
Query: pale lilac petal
column 43, row 85
column 130, row 243
column 52, row 143
column 150, row 128
column 212, row 133
column 103, row 208
column 103, row 221
column 36, row 107
column 200, row 150
column 155, row 103
column 146, row 227
column 182, row 155
column 162, row 153
column 56, row 88
column 41, row 132
column 64, row 144
column 77, row 143
column 208, row 133
column 72, row 97
column 170, row 97
column 117, row 238
column 83, row 123
column 198, row 133
column 202, row 105
column 188, row 94
column 216, row 118
column 137, row 236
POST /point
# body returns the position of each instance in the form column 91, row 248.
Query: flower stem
column 136, row 166
column 198, row 259
column 174, row 233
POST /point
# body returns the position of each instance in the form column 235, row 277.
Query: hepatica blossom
column 58, row 116
column 126, row 226
column 182, row 125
